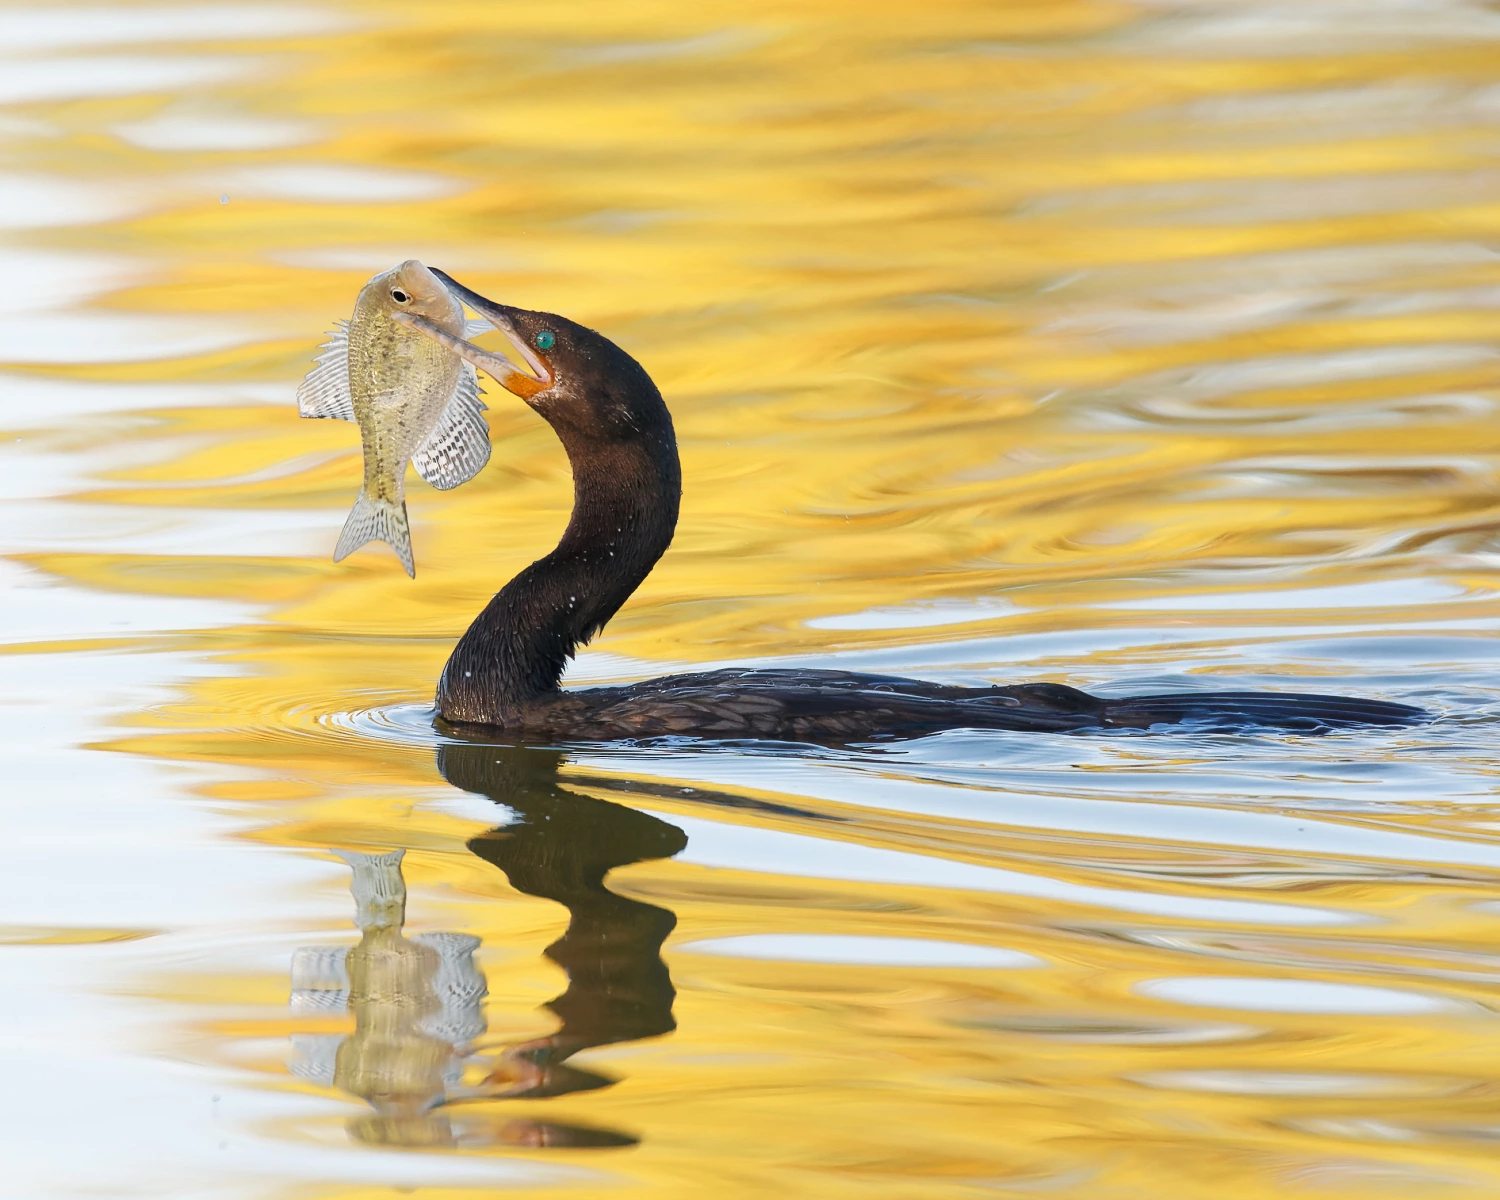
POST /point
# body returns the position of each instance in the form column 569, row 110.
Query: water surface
column 1137, row 346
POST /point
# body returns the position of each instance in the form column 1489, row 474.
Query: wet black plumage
column 627, row 484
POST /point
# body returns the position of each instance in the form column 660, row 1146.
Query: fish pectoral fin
column 459, row 444
column 315, row 1056
column 475, row 326
column 325, row 390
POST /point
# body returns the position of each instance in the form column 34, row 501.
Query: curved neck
column 625, row 499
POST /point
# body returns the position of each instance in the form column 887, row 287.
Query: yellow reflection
column 978, row 322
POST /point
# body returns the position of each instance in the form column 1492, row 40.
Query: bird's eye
column 399, row 296
column 545, row 340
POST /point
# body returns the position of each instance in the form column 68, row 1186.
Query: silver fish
column 411, row 398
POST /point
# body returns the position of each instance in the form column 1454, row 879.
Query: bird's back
column 842, row 706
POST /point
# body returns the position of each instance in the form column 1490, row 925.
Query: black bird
column 627, row 483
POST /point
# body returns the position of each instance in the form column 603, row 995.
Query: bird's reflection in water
column 561, row 848
column 418, row 1001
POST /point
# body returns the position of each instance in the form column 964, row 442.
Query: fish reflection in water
column 418, row 1001
column 417, row 1004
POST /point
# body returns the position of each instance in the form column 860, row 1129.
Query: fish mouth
column 505, row 372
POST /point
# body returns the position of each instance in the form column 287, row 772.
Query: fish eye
column 545, row 340
column 399, row 296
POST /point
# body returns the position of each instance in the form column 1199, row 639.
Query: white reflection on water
column 1294, row 996
column 113, row 337
column 1183, row 823
column 372, row 258
column 1381, row 593
column 188, row 130
column 40, row 80
column 36, row 608
column 31, row 201
column 36, row 278
column 37, row 402
column 855, row 950
column 61, row 525
column 54, row 27
column 928, row 615
column 333, row 183
column 171, row 1128
column 1188, row 392
column 773, row 852
column 1310, row 27
column 1300, row 1083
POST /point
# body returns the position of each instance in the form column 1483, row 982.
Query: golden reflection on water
column 1084, row 341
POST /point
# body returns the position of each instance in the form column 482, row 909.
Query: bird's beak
column 506, row 373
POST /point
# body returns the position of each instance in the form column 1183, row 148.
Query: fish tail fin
column 376, row 517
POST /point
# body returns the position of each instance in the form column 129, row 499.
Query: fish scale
column 412, row 400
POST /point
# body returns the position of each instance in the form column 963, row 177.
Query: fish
column 411, row 398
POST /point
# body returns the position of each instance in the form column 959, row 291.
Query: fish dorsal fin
column 459, row 444
column 325, row 390
column 474, row 326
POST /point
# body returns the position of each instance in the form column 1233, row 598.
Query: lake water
column 1140, row 346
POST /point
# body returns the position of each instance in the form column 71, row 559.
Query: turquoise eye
column 545, row 340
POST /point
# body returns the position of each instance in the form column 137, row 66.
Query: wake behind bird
column 412, row 399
